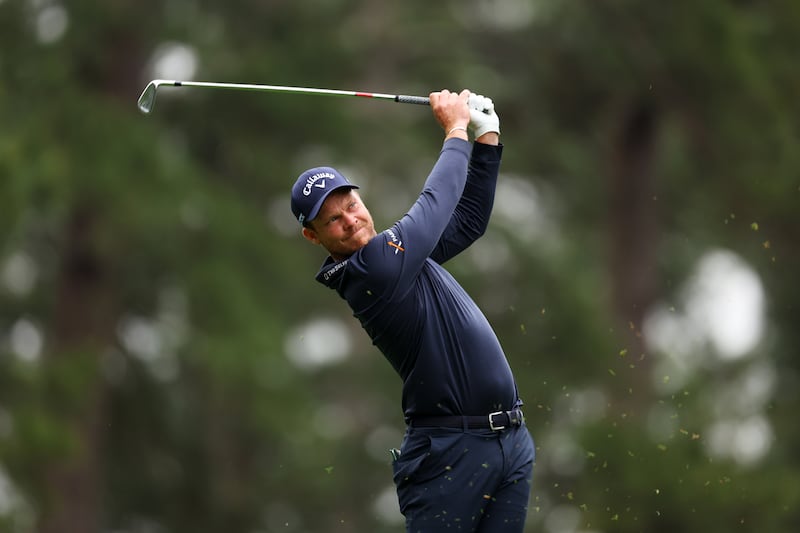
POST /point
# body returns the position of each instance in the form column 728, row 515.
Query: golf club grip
column 405, row 99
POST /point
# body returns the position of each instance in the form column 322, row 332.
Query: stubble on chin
column 360, row 238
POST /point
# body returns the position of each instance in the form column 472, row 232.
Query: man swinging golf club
column 466, row 461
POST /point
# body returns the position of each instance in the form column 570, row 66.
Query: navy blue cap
column 311, row 189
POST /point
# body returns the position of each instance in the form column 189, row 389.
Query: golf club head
column 148, row 98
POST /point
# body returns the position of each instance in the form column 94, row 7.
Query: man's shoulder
column 383, row 247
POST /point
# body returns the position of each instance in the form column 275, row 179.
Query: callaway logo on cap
column 311, row 189
column 316, row 180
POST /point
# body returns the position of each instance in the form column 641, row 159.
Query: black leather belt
column 494, row 421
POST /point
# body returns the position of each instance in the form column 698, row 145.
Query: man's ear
column 310, row 235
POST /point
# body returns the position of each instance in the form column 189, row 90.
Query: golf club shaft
column 147, row 99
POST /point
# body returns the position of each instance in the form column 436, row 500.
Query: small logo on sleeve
column 395, row 243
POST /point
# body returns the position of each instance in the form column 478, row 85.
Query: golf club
column 148, row 98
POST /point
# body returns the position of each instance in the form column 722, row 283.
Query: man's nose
column 349, row 219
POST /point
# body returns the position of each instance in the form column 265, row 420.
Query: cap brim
column 315, row 210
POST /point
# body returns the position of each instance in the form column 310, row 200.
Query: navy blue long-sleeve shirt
column 415, row 312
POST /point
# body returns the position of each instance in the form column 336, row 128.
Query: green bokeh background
column 168, row 363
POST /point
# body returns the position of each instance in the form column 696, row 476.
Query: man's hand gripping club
column 451, row 112
column 483, row 119
column 455, row 112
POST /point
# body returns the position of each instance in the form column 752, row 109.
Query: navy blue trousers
column 455, row 480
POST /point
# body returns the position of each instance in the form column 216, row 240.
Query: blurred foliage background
column 168, row 363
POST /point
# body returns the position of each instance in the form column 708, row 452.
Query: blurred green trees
column 168, row 363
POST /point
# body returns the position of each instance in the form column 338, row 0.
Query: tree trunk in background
column 633, row 237
column 85, row 314
column 83, row 328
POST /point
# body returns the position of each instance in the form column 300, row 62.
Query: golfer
column 466, row 460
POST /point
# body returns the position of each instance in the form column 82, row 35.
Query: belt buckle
column 491, row 423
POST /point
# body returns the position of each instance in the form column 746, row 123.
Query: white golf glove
column 483, row 119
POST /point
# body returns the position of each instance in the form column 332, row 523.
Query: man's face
column 343, row 225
